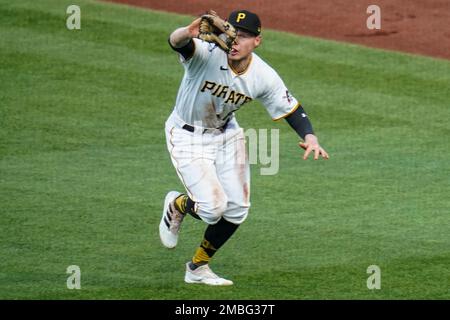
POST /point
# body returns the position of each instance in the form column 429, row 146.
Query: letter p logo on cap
column 240, row 16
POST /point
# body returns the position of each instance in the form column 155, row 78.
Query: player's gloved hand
column 312, row 144
column 216, row 30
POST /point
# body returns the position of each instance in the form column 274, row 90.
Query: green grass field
column 84, row 168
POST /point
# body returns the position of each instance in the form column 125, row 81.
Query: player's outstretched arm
column 299, row 121
column 181, row 36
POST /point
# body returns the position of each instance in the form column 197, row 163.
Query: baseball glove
column 216, row 30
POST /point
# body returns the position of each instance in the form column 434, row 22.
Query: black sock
column 215, row 236
column 184, row 204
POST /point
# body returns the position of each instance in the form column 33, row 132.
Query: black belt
column 192, row 129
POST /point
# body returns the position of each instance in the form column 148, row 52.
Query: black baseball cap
column 246, row 20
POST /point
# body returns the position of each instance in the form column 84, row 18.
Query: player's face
column 245, row 44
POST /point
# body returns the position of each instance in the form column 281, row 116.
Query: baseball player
column 206, row 143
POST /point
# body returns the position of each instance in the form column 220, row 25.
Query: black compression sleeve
column 299, row 121
column 187, row 51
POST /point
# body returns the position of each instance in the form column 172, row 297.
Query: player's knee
column 217, row 206
column 221, row 207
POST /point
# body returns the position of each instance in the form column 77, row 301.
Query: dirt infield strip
column 415, row 26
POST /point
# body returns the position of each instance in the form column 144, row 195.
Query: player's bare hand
column 311, row 144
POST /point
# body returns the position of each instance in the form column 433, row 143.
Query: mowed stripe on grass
column 84, row 166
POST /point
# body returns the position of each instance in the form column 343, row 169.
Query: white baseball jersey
column 211, row 90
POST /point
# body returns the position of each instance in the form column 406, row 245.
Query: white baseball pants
column 213, row 167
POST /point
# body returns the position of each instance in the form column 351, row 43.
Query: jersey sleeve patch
column 277, row 99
